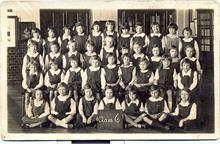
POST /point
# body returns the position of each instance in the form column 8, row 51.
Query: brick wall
column 14, row 66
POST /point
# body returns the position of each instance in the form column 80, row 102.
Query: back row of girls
column 124, row 39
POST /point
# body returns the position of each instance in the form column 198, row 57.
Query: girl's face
column 54, row 48
column 79, row 29
column 33, row 68
column 166, row 63
column 137, row 48
column 111, row 60
column 54, row 66
column 156, row 51
column 126, row 60
column 96, row 28
column 66, row 31
column 72, row 47
column 62, row 91
column 124, row 51
column 38, row 95
column 110, row 27
column 36, row 35
column 154, row 93
column 143, row 65
column 125, row 31
column 186, row 34
column 32, row 48
column 108, row 41
column 139, row 29
column 95, row 63
column 172, row 31
column 89, row 48
column 155, row 29
column 73, row 64
column 51, row 33
column 108, row 93
column 189, row 52
column 186, row 67
column 88, row 93
column 173, row 53
column 132, row 96
column 184, row 95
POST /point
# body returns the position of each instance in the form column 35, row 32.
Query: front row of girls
column 154, row 112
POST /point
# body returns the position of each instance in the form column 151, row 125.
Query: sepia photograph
column 109, row 70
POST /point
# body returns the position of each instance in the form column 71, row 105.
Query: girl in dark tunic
column 50, row 39
column 156, row 109
column 63, row 108
column 88, row 108
column 96, row 37
column 155, row 58
column 133, row 108
column 185, row 113
column 90, row 46
column 64, row 39
column 80, row 38
column 36, row 36
column 37, row 112
column 175, row 61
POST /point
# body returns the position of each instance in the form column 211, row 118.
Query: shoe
column 70, row 126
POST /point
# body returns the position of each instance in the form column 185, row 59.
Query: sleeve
column 24, row 66
column 84, row 78
column 193, row 112
column 117, row 105
column 156, row 77
column 29, row 110
column 176, row 112
column 151, row 80
column 146, row 41
column 81, row 59
column 66, row 77
column 46, row 111
column 131, row 44
column 47, row 62
column 141, row 107
column 165, row 109
column 72, row 107
column 95, row 110
column 180, row 85
column 198, row 66
column 64, row 61
column 41, row 60
column 133, row 76
column 59, row 40
column 47, row 80
column 117, row 57
column 123, row 106
column 119, row 71
column 52, row 106
column 62, row 76
column 164, row 42
column 103, row 80
column 41, row 82
column 24, row 84
column 174, row 75
column 146, row 109
column 196, row 49
column 101, row 105
column 195, row 80
column 80, row 107
column 101, row 54
column 180, row 48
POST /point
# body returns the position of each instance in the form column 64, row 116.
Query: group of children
column 153, row 79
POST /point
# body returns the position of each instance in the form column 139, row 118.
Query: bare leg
column 162, row 117
column 130, row 121
column 35, row 124
column 140, row 118
column 170, row 99
column 26, row 101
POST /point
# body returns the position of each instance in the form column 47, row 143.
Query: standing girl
column 73, row 79
column 143, row 79
column 33, row 79
column 50, row 39
column 155, row 58
column 37, row 111
column 80, row 38
column 108, row 48
column 165, row 77
column 139, row 37
column 188, row 40
column 36, row 36
column 92, row 76
column 171, row 39
column 96, row 37
column 175, row 61
column 155, row 38
column 90, row 46
column 52, row 78
column 64, row 39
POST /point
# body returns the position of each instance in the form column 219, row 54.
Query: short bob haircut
column 172, row 25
